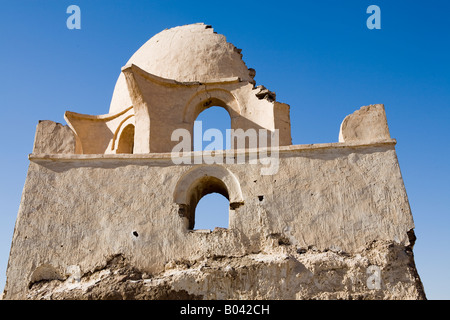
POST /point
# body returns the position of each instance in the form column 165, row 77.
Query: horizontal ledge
column 103, row 117
column 201, row 231
column 168, row 156
column 171, row 82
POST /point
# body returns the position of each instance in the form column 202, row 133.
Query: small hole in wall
column 261, row 198
column 135, row 234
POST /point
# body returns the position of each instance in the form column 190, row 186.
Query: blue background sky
column 318, row 56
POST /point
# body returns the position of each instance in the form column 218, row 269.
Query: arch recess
column 130, row 120
column 126, row 140
column 201, row 181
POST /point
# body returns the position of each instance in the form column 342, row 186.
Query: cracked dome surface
column 187, row 53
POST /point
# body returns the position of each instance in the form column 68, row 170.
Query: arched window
column 210, row 129
column 126, row 140
column 207, row 197
column 212, row 211
column 207, row 215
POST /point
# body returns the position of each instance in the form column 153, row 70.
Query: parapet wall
column 78, row 211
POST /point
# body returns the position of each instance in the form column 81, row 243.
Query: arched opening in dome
column 126, row 140
column 210, row 129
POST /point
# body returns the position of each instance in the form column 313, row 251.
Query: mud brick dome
column 191, row 53
column 167, row 83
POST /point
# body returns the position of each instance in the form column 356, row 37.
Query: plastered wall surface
column 81, row 211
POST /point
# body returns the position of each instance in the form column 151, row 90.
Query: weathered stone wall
column 54, row 138
column 308, row 231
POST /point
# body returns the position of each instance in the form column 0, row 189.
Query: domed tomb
column 167, row 83
column 187, row 53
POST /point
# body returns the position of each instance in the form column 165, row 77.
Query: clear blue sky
column 318, row 56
